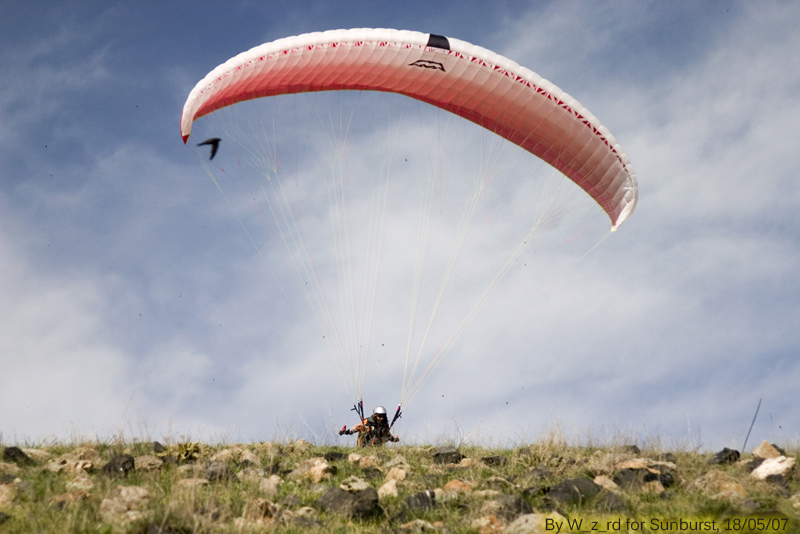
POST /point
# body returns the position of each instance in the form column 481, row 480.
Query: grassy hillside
column 296, row 487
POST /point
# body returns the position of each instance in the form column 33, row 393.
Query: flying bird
column 214, row 142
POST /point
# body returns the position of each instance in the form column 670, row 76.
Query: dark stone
column 512, row 507
column 540, row 472
column 535, row 491
column 219, row 472
column 421, row 501
column 779, row 449
column 628, row 479
column 573, row 491
column 634, row 449
column 558, row 460
column 158, row 448
column 335, row 500
column 667, row 457
column 274, row 469
column 495, row 461
column 778, row 479
column 780, row 482
column 16, row 456
column 666, row 478
column 365, row 503
column 4, row 517
column 372, row 473
column 169, row 460
column 119, row 465
column 334, row 456
column 248, row 463
column 725, row 456
column 360, row 505
column 447, row 455
column 755, row 462
column 611, row 503
column 7, row 479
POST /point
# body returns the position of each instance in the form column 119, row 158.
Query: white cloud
column 59, row 368
column 685, row 314
column 659, row 309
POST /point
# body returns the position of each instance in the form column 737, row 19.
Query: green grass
column 30, row 497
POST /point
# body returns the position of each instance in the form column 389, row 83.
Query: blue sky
column 128, row 303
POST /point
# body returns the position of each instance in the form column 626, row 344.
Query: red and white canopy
column 472, row 82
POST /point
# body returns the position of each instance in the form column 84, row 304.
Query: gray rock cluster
column 511, row 493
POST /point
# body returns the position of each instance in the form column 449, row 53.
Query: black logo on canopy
column 427, row 64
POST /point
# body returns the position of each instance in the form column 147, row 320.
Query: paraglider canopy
column 472, row 82
column 398, row 218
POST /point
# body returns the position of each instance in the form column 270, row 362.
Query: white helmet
column 379, row 410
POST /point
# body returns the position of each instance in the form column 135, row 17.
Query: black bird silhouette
column 214, row 142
